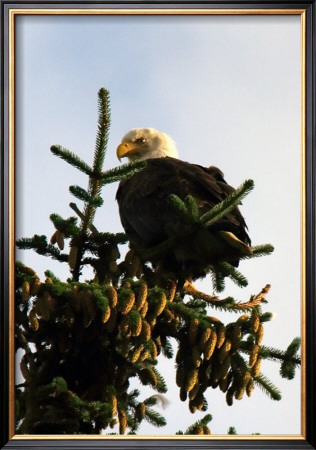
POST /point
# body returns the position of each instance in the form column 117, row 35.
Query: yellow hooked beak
column 125, row 149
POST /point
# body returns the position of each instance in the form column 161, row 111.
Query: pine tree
column 82, row 342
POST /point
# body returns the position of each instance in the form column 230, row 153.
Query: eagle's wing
column 143, row 199
column 224, row 189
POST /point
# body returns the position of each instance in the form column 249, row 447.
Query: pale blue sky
column 227, row 89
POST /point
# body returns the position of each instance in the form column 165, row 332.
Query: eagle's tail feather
column 233, row 240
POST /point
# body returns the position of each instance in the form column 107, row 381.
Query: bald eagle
column 147, row 215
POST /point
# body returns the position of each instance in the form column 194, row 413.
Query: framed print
column 168, row 301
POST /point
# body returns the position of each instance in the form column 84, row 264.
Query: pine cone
column 221, row 335
column 193, row 329
column 26, row 291
column 141, row 296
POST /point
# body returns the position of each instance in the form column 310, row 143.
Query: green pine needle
column 275, row 354
column 103, row 129
column 71, row 158
column 122, row 172
column 167, row 349
column 101, row 300
column 68, row 226
column 287, row 370
column 41, row 246
column 182, row 209
column 260, row 250
column 268, row 387
column 294, row 346
column 151, row 401
column 82, row 194
column 50, row 274
column 99, row 239
column 230, row 271
column 199, row 423
column 218, row 280
column 161, row 384
column 60, row 384
column 132, row 396
column 192, row 207
column 227, row 205
column 154, row 418
column 266, row 317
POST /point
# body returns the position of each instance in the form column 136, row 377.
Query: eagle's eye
column 140, row 140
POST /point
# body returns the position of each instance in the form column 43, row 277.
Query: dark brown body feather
column 145, row 211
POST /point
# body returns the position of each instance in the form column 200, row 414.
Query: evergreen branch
column 259, row 250
column 192, row 207
column 73, row 206
column 183, row 309
column 191, row 290
column 71, row 158
column 161, row 384
column 234, row 274
column 278, row 354
column 269, row 353
column 122, row 172
column 153, row 417
column 77, row 210
column 294, row 346
column 218, row 280
column 96, row 242
column 132, row 396
column 40, row 245
column 82, row 194
column 49, row 274
column 228, row 303
column 111, row 238
column 268, row 387
column 197, row 305
column 254, row 300
column 272, row 354
column 202, row 423
column 287, row 370
column 227, row 205
column 68, row 226
column 99, row 154
column 151, row 401
column 181, row 208
column 167, row 349
column 239, row 362
column 103, row 129
column 89, row 261
column 266, row 317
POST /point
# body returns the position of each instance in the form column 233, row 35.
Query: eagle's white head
column 146, row 143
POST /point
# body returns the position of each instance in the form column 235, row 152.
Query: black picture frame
column 8, row 439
